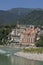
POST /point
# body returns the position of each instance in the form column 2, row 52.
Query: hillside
column 13, row 15
column 23, row 15
column 35, row 17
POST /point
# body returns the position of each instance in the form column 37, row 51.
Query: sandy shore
column 31, row 56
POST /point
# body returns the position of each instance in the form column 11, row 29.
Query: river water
column 7, row 57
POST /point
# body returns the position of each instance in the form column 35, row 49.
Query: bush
column 40, row 42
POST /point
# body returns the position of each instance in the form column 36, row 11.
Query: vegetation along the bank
column 33, row 50
column 4, row 32
column 39, row 43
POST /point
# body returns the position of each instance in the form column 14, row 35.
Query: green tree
column 40, row 42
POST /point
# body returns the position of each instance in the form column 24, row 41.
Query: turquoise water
column 7, row 57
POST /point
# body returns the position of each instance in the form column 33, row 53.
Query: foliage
column 40, row 42
column 4, row 31
column 34, row 50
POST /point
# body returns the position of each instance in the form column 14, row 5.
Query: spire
column 17, row 25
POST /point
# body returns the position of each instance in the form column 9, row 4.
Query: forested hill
column 35, row 17
column 23, row 15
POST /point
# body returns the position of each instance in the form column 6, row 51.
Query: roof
column 29, row 31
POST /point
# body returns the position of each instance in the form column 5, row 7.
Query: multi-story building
column 29, row 36
column 24, row 35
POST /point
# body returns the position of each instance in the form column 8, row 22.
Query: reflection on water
column 10, row 59
column 21, row 61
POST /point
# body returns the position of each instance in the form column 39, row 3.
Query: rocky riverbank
column 31, row 56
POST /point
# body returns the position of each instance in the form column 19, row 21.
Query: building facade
column 29, row 36
column 24, row 35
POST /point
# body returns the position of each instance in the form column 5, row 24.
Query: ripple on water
column 8, row 55
column 2, row 51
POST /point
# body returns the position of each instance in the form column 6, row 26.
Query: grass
column 34, row 50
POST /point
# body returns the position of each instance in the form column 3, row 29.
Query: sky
column 8, row 4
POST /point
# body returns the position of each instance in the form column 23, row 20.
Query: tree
column 4, row 35
column 40, row 42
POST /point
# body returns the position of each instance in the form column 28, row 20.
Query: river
column 7, row 57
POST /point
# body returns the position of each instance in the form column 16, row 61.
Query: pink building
column 29, row 36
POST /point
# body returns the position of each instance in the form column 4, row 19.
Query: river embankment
column 31, row 56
